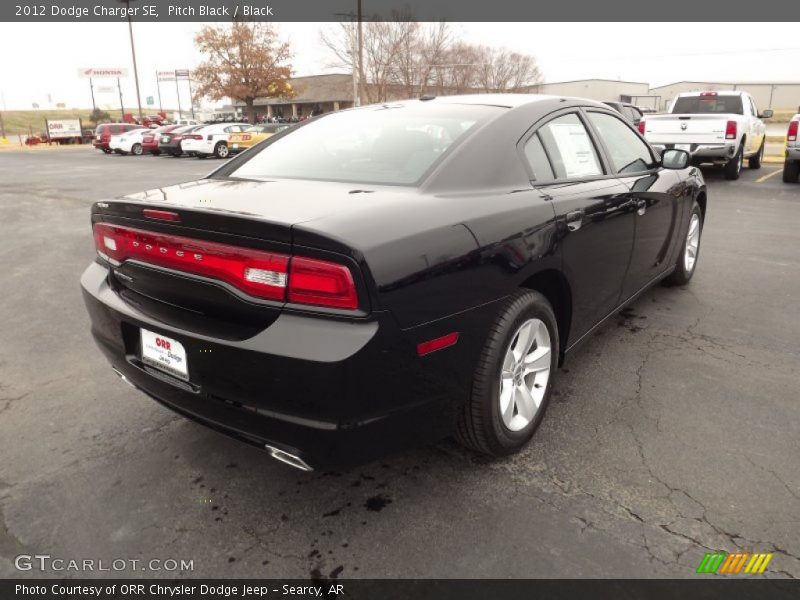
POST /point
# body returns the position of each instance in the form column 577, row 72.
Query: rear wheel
column 733, row 168
column 136, row 149
column 221, row 150
column 514, row 377
column 754, row 162
column 690, row 252
column 791, row 171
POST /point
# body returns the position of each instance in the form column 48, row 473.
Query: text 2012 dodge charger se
column 392, row 274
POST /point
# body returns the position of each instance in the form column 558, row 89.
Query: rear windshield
column 390, row 144
column 708, row 104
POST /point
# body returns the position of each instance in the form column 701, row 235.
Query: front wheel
column 690, row 251
column 754, row 162
column 791, row 171
column 733, row 168
column 513, row 380
column 221, row 150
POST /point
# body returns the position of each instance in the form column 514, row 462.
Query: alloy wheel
column 524, row 374
column 692, row 243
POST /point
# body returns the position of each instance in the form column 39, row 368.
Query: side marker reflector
column 437, row 344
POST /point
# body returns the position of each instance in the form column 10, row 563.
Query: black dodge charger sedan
column 390, row 275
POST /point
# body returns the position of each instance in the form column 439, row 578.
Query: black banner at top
column 678, row 11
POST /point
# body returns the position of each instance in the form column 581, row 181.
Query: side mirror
column 767, row 114
column 675, row 159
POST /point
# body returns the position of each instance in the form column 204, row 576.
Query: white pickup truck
column 791, row 167
column 722, row 127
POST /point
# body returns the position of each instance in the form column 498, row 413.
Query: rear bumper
column 199, row 146
column 100, row 145
column 150, row 146
column 712, row 152
column 793, row 153
column 334, row 393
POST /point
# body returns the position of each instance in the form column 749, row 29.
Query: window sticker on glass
column 575, row 148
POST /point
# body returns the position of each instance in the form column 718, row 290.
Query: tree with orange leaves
column 243, row 61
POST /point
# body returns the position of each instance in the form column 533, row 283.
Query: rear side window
column 570, row 148
column 708, row 104
column 537, row 159
column 628, row 153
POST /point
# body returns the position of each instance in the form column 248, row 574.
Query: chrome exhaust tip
column 125, row 379
column 287, row 458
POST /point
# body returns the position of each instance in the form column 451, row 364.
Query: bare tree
column 408, row 58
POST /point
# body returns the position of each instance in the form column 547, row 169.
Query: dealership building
column 331, row 92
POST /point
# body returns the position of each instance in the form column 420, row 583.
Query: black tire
column 682, row 275
column 221, row 150
column 136, row 149
column 176, row 154
column 754, row 162
column 106, row 150
column 480, row 426
column 791, row 171
column 733, row 168
column 156, row 152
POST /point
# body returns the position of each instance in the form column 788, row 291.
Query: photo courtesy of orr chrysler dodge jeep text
column 390, row 275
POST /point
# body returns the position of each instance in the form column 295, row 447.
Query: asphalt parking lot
column 674, row 432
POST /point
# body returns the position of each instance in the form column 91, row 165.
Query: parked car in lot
column 104, row 132
column 211, row 139
column 130, row 142
column 721, row 127
column 171, row 142
column 791, row 166
column 386, row 276
column 629, row 111
column 150, row 140
column 252, row 135
column 187, row 122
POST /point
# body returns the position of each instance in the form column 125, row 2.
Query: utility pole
column 121, row 106
column 91, row 89
column 133, row 55
column 158, row 87
column 178, row 92
column 360, row 55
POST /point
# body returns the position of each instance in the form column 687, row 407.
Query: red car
column 150, row 140
column 103, row 133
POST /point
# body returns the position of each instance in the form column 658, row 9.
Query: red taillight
column 255, row 272
column 161, row 215
column 258, row 273
column 190, row 137
column 437, row 344
column 641, row 126
column 792, row 133
column 730, row 130
column 321, row 283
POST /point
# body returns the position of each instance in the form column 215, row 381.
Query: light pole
column 133, row 55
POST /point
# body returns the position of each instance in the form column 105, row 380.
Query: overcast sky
column 43, row 58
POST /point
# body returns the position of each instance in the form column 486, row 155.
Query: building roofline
column 729, row 83
column 590, row 79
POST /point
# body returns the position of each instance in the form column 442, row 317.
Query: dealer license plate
column 164, row 354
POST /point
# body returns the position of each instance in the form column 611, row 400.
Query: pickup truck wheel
column 221, row 150
column 513, row 380
column 791, row 171
column 733, row 168
column 136, row 149
column 690, row 251
column 755, row 161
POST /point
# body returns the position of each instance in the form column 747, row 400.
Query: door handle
column 641, row 206
column 574, row 220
